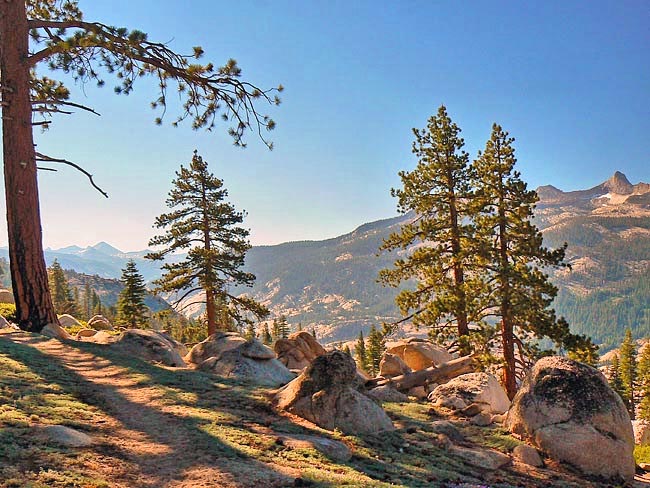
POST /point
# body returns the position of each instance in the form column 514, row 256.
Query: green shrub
column 8, row 311
column 642, row 454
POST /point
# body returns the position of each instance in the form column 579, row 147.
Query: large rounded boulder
column 326, row 394
column 252, row 362
column 481, row 389
column 214, row 346
column 99, row 322
column 67, row 320
column 392, row 365
column 148, row 345
column 418, row 353
column 568, row 410
column 298, row 350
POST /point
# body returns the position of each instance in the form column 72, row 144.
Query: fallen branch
column 440, row 374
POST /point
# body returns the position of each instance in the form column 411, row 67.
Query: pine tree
column 361, row 353
column 96, row 304
column 205, row 225
column 250, row 334
column 87, row 301
column 614, row 373
column 62, row 297
column 283, row 327
column 375, row 350
column 347, row 351
column 515, row 260
column 629, row 372
column 644, row 382
column 266, row 335
column 313, row 333
column 438, row 192
column 275, row 330
column 131, row 309
column 54, row 33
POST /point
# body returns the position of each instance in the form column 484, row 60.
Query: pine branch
column 44, row 158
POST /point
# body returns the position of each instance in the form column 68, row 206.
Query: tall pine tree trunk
column 34, row 307
column 507, row 332
column 211, row 311
column 459, row 278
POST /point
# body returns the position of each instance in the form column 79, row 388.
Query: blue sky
column 569, row 80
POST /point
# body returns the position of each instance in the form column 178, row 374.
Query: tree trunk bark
column 444, row 373
column 507, row 329
column 34, row 308
column 211, row 312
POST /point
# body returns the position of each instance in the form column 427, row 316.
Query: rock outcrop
column 641, row 432
column 392, row 365
column 214, row 346
column 148, row 345
column 67, row 320
column 481, row 389
column 567, row 410
column 99, row 322
column 298, row 350
column 387, row 393
column 250, row 361
column 55, row 331
column 6, row 296
column 66, row 436
column 418, row 353
column 326, row 394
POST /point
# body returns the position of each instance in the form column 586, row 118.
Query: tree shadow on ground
column 184, row 442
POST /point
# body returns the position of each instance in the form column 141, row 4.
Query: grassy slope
column 155, row 426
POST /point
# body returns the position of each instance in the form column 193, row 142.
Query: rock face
column 568, row 410
column 251, row 361
column 148, row 345
column 392, row 365
column 526, row 454
column 55, row 331
column 325, row 394
column 85, row 333
column 65, row 436
column 214, row 346
column 67, row 320
column 641, row 432
column 298, row 350
column 6, row 296
column 481, row 389
column 418, row 353
column 99, row 322
column 179, row 346
column 388, row 394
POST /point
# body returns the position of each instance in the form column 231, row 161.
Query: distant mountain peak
column 106, row 248
column 619, row 184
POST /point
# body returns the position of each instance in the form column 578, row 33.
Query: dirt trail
column 138, row 442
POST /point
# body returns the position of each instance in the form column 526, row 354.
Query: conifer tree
column 283, row 327
column 438, row 192
column 97, row 308
column 347, row 351
column 375, row 350
column 628, row 372
column 62, row 297
column 313, row 333
column 515, row 260
column 131, row 309
column 644, row 382
column 614, row 373
column 54, row 33
column 87, row 301
column 361, row 353
column 250, row 334
column 207, row 227
column 266, row 335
